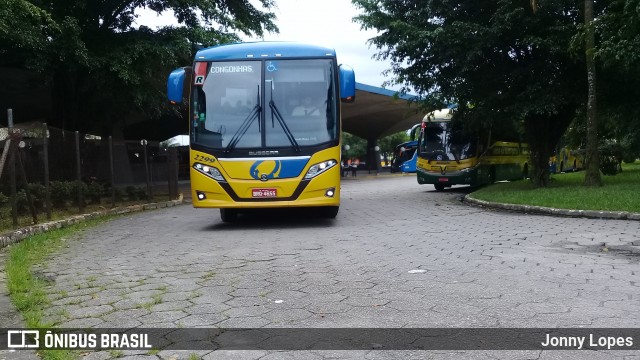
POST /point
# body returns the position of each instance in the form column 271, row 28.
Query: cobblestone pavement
column 182, row 267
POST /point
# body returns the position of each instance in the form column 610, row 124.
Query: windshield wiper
column 283, row 124
column 254, row 114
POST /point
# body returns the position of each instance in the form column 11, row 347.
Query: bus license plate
column 443, row 179
column 264, row 193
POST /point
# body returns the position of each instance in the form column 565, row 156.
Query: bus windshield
column 440, row 141
column 291, row 105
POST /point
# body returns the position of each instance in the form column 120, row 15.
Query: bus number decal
column 204, row 158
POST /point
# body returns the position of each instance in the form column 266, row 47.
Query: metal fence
column 45, row 165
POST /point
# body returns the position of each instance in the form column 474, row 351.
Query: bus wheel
column 228, row 215
column 439, row 187
column 575, row 167
column 329, row 212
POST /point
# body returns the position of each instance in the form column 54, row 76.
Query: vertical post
column 47, row 190
column 23, row 175
column 172, row 172
column 12, row 169
column 79, row 173
column 146, row 166
column 111, row 172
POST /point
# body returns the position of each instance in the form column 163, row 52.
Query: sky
column 319, row 22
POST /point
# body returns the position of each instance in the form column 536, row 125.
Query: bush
column 142, row 193
column 136, row 193
column 132, row 193
column 60, row 192
column 119, row 194
column 609, row 165
column 84, row 189
column 21, row 202
column 95, row 191
column 38, row 195
column 610, row 158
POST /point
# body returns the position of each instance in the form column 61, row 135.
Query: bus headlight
column 210, row 171
column 319, row 168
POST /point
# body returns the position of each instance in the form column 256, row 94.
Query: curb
column 16, row 236
column 531, row 209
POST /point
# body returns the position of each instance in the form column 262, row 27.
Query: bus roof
column 438, row 116
column 263, row 50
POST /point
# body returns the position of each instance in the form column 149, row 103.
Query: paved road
column 398, row 255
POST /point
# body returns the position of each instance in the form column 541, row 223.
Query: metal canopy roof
column 377, row 112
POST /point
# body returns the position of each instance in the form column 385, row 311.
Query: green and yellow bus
column 448, row 156
column 265, row 126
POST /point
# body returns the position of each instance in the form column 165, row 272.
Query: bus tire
column 329, row 212
column 439, row 187
column 561, row 166
column 228, row 215
column 525, row 172
column 575, row 165
column 492, row 175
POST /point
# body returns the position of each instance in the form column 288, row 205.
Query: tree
column 592, row 174
column 388, row 143
column 104, row 70
column 497, row 59
column 618, row 63
column 357, row 146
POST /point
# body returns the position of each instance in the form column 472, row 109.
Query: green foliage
column 101, row 64
column 60, row 193
column 21, row 202
column 610, row 158
column 119, row 194
column 95, row 191
column 136, row 193
column 507, row 68
column 357, row 146
column 38, row 195
column 388, row 143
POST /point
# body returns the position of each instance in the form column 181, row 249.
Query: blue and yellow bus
column 265, row 126
column 566, row 159
column 448, row 156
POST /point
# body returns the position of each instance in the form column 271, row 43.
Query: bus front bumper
column 447, row 179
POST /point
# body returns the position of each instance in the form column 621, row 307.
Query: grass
column 566, row 191
column 28, row 292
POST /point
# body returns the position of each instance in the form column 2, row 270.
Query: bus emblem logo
column 264, row 177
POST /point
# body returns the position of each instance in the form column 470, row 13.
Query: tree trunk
column 592, row 174
column 541, row 141
column 542, row 133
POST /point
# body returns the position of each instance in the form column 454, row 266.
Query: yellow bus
column 265, row 126
column 447, row 156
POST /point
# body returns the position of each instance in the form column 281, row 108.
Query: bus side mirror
column 175, row 85
column 347, row 84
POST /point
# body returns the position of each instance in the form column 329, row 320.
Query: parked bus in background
column 565, row 160
column 448, row 156
column 264, row 126
column 404, row 157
